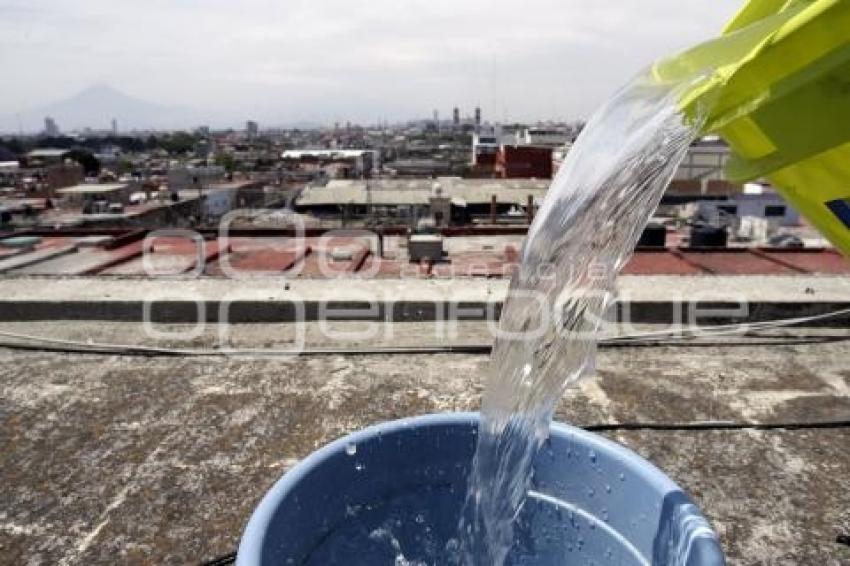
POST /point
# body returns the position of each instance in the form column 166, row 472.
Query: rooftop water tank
column 707, row 236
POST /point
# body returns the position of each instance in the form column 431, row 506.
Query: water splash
column 584, row 233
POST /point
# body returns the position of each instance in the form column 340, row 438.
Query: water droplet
column 622, row 477
column 607, row 488
column 592, row 455
column 351, row 449
column 359, row 467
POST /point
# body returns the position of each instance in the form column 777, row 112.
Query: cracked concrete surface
column 110, row 459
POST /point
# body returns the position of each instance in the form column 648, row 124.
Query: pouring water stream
column 583, row 234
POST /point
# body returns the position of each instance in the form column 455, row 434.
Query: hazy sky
column 326, row 60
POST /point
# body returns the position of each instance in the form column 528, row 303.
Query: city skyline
column 301, row 62
column 101, row 105
column 43, row 121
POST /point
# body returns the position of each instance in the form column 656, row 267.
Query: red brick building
column 524, row 162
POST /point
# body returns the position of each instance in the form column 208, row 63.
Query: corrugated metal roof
column 48, row 152
column 86, row 189
column 383, row 192
column 325, row 153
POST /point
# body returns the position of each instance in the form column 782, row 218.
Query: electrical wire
column 224, row 560
column 86, row 348
column 735, row 328
column 75, row 346
column 678, row 337
column 719, row 425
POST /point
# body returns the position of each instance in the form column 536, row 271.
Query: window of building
column 774, row 210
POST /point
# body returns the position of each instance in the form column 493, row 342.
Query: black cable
column 223, row 560
column 698, row 343
column 86, row 350
column 165, row 352
column 482, row 349
column 720, row 425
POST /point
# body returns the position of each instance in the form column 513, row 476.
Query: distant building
column 183, row 177
column 420, row 167
column 485, row 146
column 204, row 148
column 524, row 161
column 50, row 127
column 252, row 129
column 701, row 174
column 46, row 169
column 114, row 127
column 456, row 116
column 46, row 156
column 10, row 173
column 705, row 160
column 478, row 116
column 763, row 203
column 356, row 163
column 552, row 137
column 217, row 199
column 448, row 200
column 96, row 198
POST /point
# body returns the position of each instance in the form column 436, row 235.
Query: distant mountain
column 95, row 107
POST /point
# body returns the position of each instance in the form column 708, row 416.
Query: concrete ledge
column 160, row 460
column 667, row 300
column 241, row 312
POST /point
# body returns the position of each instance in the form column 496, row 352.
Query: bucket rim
column 253, row 537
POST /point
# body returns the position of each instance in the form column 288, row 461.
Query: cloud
column 335, row 59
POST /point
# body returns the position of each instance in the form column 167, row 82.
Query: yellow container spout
column 776, row 87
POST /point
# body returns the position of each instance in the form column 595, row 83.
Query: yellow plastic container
column 777, row 89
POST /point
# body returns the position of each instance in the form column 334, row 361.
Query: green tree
column 227, row 161
column 90, row 164
column 124, row 166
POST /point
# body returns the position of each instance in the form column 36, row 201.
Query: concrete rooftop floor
column 119, row 459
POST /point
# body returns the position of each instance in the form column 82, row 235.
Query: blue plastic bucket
column 396, row 489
